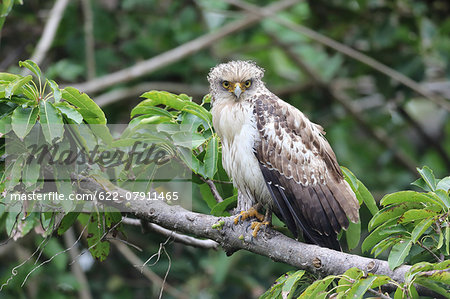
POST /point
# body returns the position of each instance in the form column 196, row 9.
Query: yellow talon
column 256, row 226
column 252, row 212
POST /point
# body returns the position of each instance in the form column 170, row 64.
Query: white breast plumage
column 236, row 126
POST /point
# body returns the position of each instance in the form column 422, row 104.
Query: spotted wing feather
column 302, row 174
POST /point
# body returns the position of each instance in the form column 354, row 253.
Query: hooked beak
column 237, row 90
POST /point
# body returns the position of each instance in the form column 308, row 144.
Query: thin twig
column 213, row 189
column 380, row 135
column 180, row 238
column 84, row 291
column 110, row 97
column 395, row 75
column 149, row 274
column 430, row 251
column 178, row 53
column 379, row 294
column 50, row 29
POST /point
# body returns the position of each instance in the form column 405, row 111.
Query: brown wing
column 302, row 174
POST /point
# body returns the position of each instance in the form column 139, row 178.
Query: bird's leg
column 252, row 212
column 256, row 226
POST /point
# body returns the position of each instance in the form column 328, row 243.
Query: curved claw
column 256, row 226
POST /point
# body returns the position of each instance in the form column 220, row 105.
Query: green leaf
column 56, row 91
column 398, row 293
column 6, row 109
column 384, row 245
column 444, row 184
column 23, row 120
column 433, row 286
column 360, row 287
column 220, row 208
column 102, row 131
column 31, row 172
column 353, row 235
column 447, row 239
column 207, row 196
column 428, row 176
column 7, row 77
column 443, row 197
column 350, row 178
column 155, row 98
column 275, row 289
column 391, row 212
column 70, row 112
column 367, row 198
column 398, row 254
column 381, row 233
column 206, row 99
column 5, row 124
column 98, row 248
column 416, row 214
column 442, row 276
column 51, row 121
column 421, row 184
column 15, row 85
column 345, row 282
column 32, row 66
column 380, row 280
column 291, row 283
column 13, row 178
column 151, row 110
column 190, row 160
column 211, row 157
column 90, row 111
column 442, row 265
column 441, row 240
column 188, row 139
column 420, row 229
column 318, row 287
column 407, row 196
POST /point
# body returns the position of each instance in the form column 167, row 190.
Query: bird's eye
column 226, row 84
column 248, row 83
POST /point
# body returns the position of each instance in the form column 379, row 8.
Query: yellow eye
column 226, row 84
column 248, row 83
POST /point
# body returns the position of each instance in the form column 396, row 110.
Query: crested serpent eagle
column 277, row 158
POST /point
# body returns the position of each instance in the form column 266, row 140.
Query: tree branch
column 50, row 29
column 338, row 95
column 116, row 95
column 232, row 238
column 382, row 68
column 176, row 54
column 89, row 47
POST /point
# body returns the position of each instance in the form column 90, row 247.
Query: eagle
column 277, row 158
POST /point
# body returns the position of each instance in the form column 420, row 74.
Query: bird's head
column 235, row 81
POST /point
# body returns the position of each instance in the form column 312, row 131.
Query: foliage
column 412, row 221
column 355, row 283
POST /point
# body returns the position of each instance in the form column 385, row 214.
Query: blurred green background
column 378, row 127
